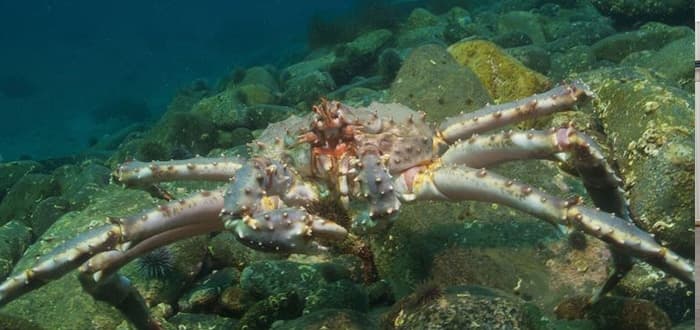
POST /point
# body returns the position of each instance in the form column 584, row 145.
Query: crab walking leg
column 104, row 264
column 566, row 144
column 491, row 117
column 200, row 208
column 199, row 168
column 118, row 291
column 452, row 182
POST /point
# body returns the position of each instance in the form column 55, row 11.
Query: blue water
column 63, row 60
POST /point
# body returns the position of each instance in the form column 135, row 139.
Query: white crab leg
column 564, row 143
column 491, row 117
column 199, row 168
column 457, row 182
column 199, row 209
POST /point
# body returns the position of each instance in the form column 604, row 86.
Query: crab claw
column 290, row 230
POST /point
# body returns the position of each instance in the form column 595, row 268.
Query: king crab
column 371, row 160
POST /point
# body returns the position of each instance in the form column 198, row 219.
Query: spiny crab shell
column 401, row 135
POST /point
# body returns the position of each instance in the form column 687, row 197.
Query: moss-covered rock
column 525, row 22
column 672, row 61
column 328, row 319
column 281, row 306
column 11, row 172
column 615, row 313
column 321, row 63
column 21, row 199
column 630, row 12
column 650, row 36
column 192, row 321
column 14, row 239
column 430, row 80
column 46, row 213
column 463, row 308
column 206, row 292
column 359, row 56
column 225, row 109
column 648, row 124
column 78, row 183
column 504, row 77
column 227, row 251
column 308, row 89
column 420, row 18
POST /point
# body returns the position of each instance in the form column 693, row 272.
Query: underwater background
column 87, row 85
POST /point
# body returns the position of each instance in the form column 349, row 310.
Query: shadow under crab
column 371, row 160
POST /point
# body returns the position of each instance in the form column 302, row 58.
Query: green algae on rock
column 504, row 77
column 648, row 124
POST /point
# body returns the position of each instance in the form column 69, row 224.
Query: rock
column 77, row 308
column 21, row 199
column 339, row 294
column 504, row 77
column 202, row 322
column 226, row 251
column 11, row 172
column 46, row 213
column 650, row 36
column 163, row 274
column 308, row 89
column 615, row 313
column 389, row 63
column 359, row 56
column 78, row 183
column 649, row 124
column 281, row 306
column 420, row 18
column 574, row 60
column 463, row 308
column 431, row 80
column 459, row 25
column 666, row 62
column 14, row 240
column 320, row 63
column 224, row 109
column 564, row 27
column 256, row 94
column 533, row 57
column 319, row 285
column 258, row 75
column 205, row 293
column 525, row 22
column 234, row 300
column 261, row 279
column 261, row 115
column 10, row 322
column 512, row 39
column 421, row 36
column 328, row 319
column 630, row 12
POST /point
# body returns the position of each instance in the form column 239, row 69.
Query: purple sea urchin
column 156, row 264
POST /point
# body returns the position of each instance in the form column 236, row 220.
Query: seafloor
column 441, row 265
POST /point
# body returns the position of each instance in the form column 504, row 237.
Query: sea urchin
column 156, row 264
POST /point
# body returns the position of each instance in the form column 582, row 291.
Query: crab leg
column 458, row 182
column 199, row 168
column 566, row 143
column 118, row 291
column 199, row 209
column 493, row 116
